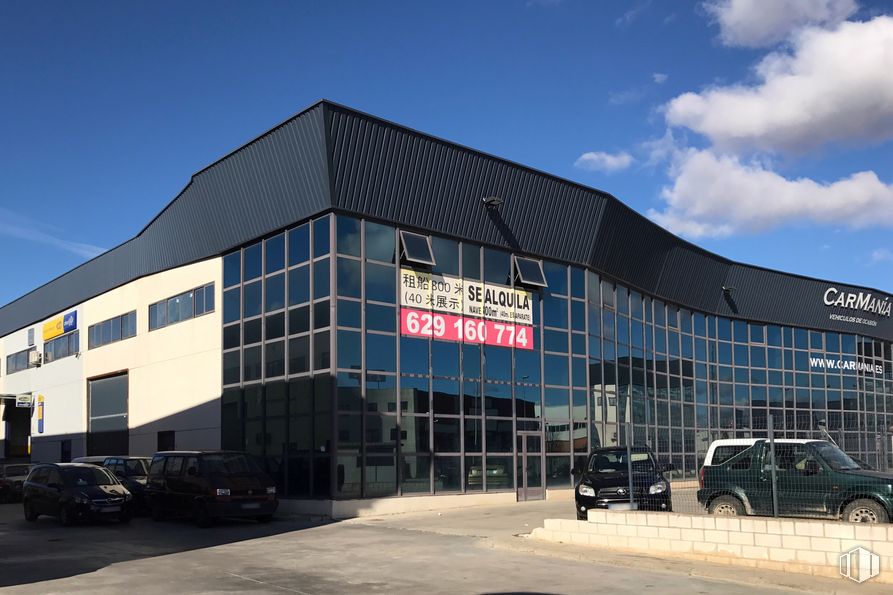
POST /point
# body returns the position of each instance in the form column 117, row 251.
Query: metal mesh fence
column 770, row 475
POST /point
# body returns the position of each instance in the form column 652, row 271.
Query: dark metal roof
column 332, row 157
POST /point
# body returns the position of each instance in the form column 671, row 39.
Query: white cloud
column 663, row 149
column 606, row 162
column 632, row 14
column 833, row 86
column 714, row 196
column 881, row 255
column 24, row 228
column 660, row 78
column 761, row 23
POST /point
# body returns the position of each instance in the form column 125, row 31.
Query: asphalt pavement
column 468, row 550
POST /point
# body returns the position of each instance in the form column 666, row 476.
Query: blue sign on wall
column 40, row 414
column 71, row 321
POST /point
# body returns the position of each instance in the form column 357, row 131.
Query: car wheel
column 30, row 515
column 65, row 517
column 582, row 517
column 202, row 518
column 865, row 511
column 264, row 518
column 726, row 506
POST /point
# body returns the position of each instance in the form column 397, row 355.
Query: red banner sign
column 448, row 327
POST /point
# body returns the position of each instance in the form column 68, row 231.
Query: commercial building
column 378, row 313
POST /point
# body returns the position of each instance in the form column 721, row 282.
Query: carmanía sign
column 858, row 301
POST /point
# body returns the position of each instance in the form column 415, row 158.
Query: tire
column 582, row 517
column 726, row 506
column 202, row 518
column 865, row 510
column 264, row 518
column 65, row 518
column 30, row 515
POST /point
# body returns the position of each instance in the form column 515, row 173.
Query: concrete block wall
column 790, row 545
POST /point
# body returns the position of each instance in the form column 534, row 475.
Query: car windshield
column 836, row 458
column 230, row 464
column 87, row 476
column 135, row 468
column 14, row 470
column 614, row 461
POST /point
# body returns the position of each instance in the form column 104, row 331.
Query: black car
column 605, row 481
column 208, row 485
column 73, row 492
column 12, row 476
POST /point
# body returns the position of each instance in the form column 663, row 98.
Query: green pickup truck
column 814, row 479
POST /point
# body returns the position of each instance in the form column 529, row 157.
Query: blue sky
column 762, row 136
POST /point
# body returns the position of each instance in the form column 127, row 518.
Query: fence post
column 771, row 428
column 629, row 461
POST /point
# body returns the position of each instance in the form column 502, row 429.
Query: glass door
column 530, row 467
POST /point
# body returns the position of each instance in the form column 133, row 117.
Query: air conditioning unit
column 34, row 359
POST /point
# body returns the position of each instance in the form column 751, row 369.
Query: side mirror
column 812, row 468
column 669, row 467
column 575, row 471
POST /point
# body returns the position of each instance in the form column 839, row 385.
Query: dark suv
column 209, row 485
column 605, row 480
column 75, row 491
column 813, row 478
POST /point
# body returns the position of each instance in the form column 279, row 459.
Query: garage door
column 107, row 432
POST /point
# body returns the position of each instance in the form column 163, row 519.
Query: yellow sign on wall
column 60, row 324
column 53, row 328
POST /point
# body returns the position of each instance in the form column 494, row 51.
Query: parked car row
column 202, row 485
column 812, row 478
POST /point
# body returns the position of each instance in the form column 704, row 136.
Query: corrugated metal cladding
column 771, row 296
column 332, row 157
column 389, row 172
column 279, row 178
column 385, row 171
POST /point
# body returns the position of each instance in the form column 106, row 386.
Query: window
column 416, row 248
column 173, row 467
column 178, row 308
column 61, row 347
column 16, row 362
column 112, row 330
column 721, row 454
column 529, row 271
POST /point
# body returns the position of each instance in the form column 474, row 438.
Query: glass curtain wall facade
column 320, row 383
